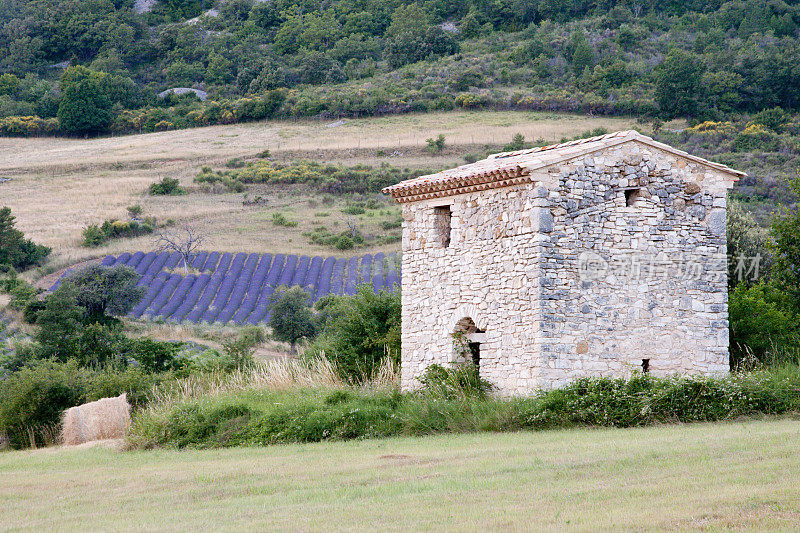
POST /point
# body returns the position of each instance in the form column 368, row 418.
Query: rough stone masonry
column 599, row 257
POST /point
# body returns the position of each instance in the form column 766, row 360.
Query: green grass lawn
column 734, row 475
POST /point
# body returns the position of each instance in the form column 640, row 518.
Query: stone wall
column 567, row 280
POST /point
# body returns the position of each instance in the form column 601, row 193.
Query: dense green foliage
column 84, row 106
column 105, row 291
column 311, row 415
column 15, row 250
column 344, row 57
column 77, row 320
column 94, row 235
column 33, row 399
column 786, row 250
column 358, row 332
column 763, row 325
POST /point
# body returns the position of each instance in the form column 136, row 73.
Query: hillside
column 707, row 59
column 82, row 182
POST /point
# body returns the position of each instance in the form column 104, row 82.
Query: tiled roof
column 511, row 168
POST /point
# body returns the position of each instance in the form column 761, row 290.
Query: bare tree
column 184, row 240
column 352, row 224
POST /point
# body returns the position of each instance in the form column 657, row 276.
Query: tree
column 85, row 107
column 678, row 87
column 582, row 54
column 410, row 38
column 104, row 291
column 59, row 323
column 185, row 241
column 748, row 243
column 786, row 250
column 15, row 249
column 291, row 318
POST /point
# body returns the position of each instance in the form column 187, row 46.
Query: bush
column 22, row 293
column 762, row 325
column 290, row 316
column 436, row 145
column 460, row 381
column 517, row 143
column 362, row 330
column 32, row 399
column 152, row 355
column 94, row 235
column 166, row 187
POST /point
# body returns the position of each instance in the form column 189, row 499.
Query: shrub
column 460, row 381
column 166, row 187
column 517, row 143
column 94, row 235
column 362, row 330
column 344, row 243
column 436, row 145
column 152, row 355
column 279, row 219
column 290, row 316
column 22, row 293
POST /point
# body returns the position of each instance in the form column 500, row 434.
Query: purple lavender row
column 191, row 298
column 177, row 297
column 262, row 305
column 240, row 287
column 253, row 289
column 225, row 290
column 163, row 295
column 152, row 290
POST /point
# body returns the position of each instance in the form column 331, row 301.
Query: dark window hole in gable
column 631, row 196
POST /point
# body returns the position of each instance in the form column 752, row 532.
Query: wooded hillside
column 95, row 66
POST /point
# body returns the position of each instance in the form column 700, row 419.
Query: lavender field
column 227, row 288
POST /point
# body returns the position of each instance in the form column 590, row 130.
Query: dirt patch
column 395, row 456
column 111, row 444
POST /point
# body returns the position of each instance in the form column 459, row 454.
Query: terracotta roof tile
column 510, row 168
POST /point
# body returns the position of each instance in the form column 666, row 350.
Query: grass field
column 61, row 185
column 739, row 475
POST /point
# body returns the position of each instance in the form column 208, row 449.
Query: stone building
column 597, row 257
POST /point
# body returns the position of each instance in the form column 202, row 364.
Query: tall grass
column 307, row 402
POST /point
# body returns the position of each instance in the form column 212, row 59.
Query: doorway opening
column 470, row 337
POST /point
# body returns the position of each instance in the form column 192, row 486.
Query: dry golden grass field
column 61, row 185
column 731, row 476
